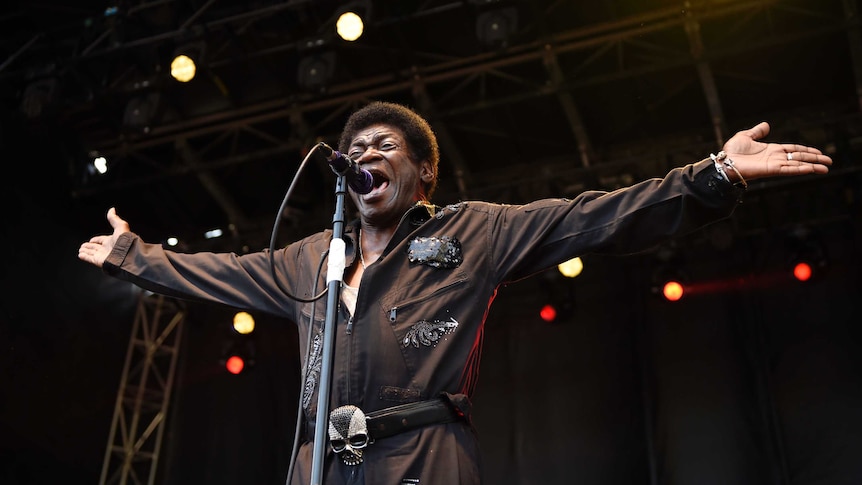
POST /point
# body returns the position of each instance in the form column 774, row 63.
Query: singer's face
column 383, row 151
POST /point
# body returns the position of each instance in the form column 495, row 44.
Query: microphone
column 360, row 180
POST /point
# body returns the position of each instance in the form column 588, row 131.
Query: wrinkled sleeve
column 529, row 238
column 241, row 281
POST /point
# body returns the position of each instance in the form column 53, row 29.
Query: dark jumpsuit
column 420, row 311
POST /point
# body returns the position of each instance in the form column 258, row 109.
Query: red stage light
column 802, row 271
column 235, row 364
column 548, row 313
column 673, row 290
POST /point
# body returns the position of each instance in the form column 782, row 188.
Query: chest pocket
column 418, row 312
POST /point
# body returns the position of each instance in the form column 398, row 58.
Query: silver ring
column 790, row 156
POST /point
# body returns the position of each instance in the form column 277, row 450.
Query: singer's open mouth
column 380, row 181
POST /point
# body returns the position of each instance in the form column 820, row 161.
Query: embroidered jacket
column 417, row 327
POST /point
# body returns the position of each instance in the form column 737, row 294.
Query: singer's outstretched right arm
column 239, row 281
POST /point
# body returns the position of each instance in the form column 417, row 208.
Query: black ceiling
column 580, row 95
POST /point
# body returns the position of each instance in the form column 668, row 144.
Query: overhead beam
column 704, row 72
column 444, row 138
column 387, row 84
column 340, row 96
column 570, row 108
column 235, row 216
column 20, row 51
column 854, row 37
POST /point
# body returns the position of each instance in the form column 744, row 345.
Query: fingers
column 89, row 248
column 98, row 239
column 116, row 222
column 800, row 154
column 758, row 131
column 792, row 147
column 800, row 160
column 91, row 253
column 84, row 252
column 803, row 169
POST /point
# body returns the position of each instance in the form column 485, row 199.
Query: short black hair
column 420, row 138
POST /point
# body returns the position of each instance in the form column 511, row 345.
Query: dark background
column 751, row 378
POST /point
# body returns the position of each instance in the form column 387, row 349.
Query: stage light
column 571, row 268
column 172, row 241
column 802, row 271
column 214, row 233
column 349, row 26
column 673, row 290
column 670, row 277
column 101, row 164
column 494, row 27
column 243, row 323
column 238, row 353
column 183, row 68
column 351, row 19
column 187, row 58
column 141, row 112
column 316, row 70
column 557, row 303
column 548, row 313
column 808, row 255
column 235, row 364
column 40, row 97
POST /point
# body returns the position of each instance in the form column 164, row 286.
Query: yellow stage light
column 243, row 323
column 571, row 268
column 349, row 26
column 183, row 68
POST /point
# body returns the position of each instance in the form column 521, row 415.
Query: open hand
column 99, row 247
column 755, row 159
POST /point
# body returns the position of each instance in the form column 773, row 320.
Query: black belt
column 404, row 417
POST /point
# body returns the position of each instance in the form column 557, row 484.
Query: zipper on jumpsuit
column 355, row 477
column 393, row 311
column 349, row 327
column 349, row 348
column 349, row 344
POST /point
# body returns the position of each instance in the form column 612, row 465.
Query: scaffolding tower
column 142, row 403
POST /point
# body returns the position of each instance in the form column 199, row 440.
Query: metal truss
column 554, row 66
column 141, row 409
column 458, row 94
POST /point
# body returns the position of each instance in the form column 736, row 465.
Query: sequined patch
column 313, row 370
column 437, row 252
column 429, row 333
column 453, row 208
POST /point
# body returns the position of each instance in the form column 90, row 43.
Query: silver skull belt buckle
column 348, row 433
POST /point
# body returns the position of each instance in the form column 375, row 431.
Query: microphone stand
column 334, row 276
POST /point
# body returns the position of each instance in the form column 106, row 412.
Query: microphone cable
column 278, row 215
column 299, row 421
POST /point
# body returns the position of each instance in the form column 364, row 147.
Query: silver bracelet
column 723, row 163
column 718, row 166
